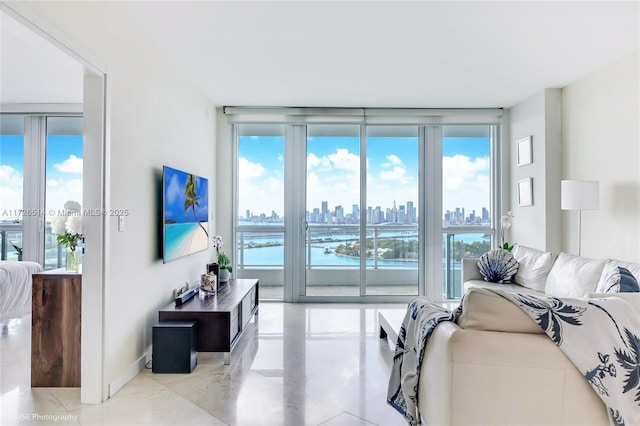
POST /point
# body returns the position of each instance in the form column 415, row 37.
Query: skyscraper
column 411, row 213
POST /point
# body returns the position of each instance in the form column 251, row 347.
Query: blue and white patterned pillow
column 619, row 280
column 497, row 266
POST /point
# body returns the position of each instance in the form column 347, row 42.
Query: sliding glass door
column 11, row 186
column 392, row 216
column 332, row 238
column 353, row 211
column 63, row 179
column 41, row 161
column 260, row 224
column 466, row 164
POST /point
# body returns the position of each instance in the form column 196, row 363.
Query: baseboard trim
column 132, row 371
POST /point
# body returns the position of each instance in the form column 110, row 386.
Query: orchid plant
column 505, row 223
column 223, row 260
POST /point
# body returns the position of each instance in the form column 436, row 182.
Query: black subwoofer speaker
column 174, row 347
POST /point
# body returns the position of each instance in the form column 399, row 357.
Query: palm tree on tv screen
column 192, row 199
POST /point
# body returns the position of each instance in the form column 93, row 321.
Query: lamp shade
column 579, row 195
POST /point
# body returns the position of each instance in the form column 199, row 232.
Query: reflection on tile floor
column 268, row 292
column 298, row 364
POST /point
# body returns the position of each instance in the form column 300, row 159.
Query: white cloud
column 261, row 196
column 313, row 162
column 460, row 171
column 247, row 169
column 338, row 189
column 344, row 160
column 395, row 174
column 392, row 160
column 9, row 175
column 259, row 192
column 335, row 178
column 72, row 164
column 59, row 191
column 465, row 183
column 10, row 190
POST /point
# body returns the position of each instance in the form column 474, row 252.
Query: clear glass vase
column 73, row 260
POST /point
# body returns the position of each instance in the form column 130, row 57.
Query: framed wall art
column 525, row 192
column 523, row 147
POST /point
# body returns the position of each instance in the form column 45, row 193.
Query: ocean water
column 176, row 239
column 274, row 255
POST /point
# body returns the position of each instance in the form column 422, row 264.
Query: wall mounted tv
column 185, row 214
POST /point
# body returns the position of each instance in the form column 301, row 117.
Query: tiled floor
column 275, row 292
column 298, row 364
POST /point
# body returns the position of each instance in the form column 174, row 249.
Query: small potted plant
column 224, row 262
column 505, row 223
column 18, row 249
column 225, row 267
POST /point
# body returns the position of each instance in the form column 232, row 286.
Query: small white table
column 389, row 322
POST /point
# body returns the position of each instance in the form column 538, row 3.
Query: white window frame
column 430, row 123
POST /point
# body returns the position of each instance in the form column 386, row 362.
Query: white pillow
column 612, row 264
column 573, row 276
column 533, row 267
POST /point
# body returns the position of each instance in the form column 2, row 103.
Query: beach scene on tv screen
column 186, row 214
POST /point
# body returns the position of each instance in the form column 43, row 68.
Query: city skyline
column 333, row 172
column 400, row 214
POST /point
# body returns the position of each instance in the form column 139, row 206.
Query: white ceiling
column 32, row 70
column 358, row 53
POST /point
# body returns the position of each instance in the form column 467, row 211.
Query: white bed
column 15, row 289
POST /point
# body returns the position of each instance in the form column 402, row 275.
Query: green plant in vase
column 68, row 226
column 225, row 262
column 225, row 267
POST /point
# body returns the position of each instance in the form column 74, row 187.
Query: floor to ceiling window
column 466, row 199
column 11, row 186
column 332, row 214
column 386, row 208
column 40, row 170
column 63, row 178
column 260, row 200
column 392, row 212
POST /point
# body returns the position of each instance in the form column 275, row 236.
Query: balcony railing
column 330, row 247
column 263, row 251
column 11, row 237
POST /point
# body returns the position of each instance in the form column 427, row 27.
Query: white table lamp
column 579, row 195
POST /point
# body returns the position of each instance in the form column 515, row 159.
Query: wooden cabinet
column 55, row 329
column 221, row 318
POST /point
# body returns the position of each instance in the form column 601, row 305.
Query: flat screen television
column 185, row 214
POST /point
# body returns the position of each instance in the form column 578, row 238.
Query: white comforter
column 15, row 288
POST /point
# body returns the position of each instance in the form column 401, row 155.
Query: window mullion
column 33, row 193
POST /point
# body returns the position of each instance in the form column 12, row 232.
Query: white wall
column 157, row 118
column 224, row 209
column 539, row 117
column 601, row 142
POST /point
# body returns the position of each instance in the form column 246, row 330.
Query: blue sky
column 174, row 184
column 333, row 173
column 63, row 171
column 333, row 168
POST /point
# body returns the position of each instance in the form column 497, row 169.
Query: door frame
column 96, row 107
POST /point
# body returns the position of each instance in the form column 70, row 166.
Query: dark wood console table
column 56, row 306
column 221, row 318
